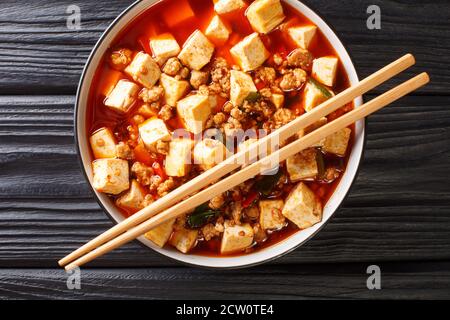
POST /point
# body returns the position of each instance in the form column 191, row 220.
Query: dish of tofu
column 171, row 97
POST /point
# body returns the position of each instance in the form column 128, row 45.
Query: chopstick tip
column 426, row 77
column 70, row 267
column 411, row 57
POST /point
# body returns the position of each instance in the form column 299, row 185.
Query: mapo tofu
column 173, row 97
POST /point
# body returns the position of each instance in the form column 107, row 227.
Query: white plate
column 267, row 254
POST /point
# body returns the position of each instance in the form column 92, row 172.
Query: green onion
column 327, row 94
column 266, row 185
column 202, row 216
column 253, row 97
column 320, row 164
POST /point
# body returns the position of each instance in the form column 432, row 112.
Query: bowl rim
column 297, row 5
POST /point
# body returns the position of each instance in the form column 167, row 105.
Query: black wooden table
column 397, row 215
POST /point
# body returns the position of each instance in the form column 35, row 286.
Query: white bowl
column 258, row 257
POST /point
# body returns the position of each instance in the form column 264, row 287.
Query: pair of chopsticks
column 170, row 207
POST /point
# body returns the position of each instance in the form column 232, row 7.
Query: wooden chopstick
column 257, row 167
column 237, row 160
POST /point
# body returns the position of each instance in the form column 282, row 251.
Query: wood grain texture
column 40, row 55
column 346, row 281
column 397, row 214
column 399, row 209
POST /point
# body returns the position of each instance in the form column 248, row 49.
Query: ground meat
column 237, row 114
column 121, row 58
column 300, row 58
column 142, row 172
column 172, row 67
column 209, row 231
column 215, row 88
column 331, row 174
column 277, row 59
column 251, row 107
column 293, row 80
column 227, row 107
column 151, row 95
column 219, row 118
column 148, row 200
column 220, row 73
column 123, row 151
column 283, row 116
column 217, row 202
column 203, row 90
column 266, row 109
column 155, row 182
column 162, row 147
column 267, row 75
column 232, row 127
column 198, row 78
column 265, row 93
column 166, row 112
column 133, row 134
column 166, row 186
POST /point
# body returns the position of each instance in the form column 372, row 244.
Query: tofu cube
column 144, row 70
column 111, row 175
column 302, row 36
column 179, row 159
column 236, row 238
column 250, row 53
column 133, row 199
column 302, row 165
column 194, row 110
column 153, row 130
column 174, row 89
column 277, row 100
column 197, row 51
column 227, row 6
column 337, row 142
column 265, row 15
column 103, row 144
column 164, row 47
column 241, row 86
column 161, row 234
column 270, row 216
column 217, row 31
column 324, row 70
column 122, row 96
column 208, row 153
column 314, row 94
column 302, row 207
column 184, row 239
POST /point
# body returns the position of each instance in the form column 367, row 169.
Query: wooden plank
column 413, row 281
column 40, row 55
column 398, row 210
